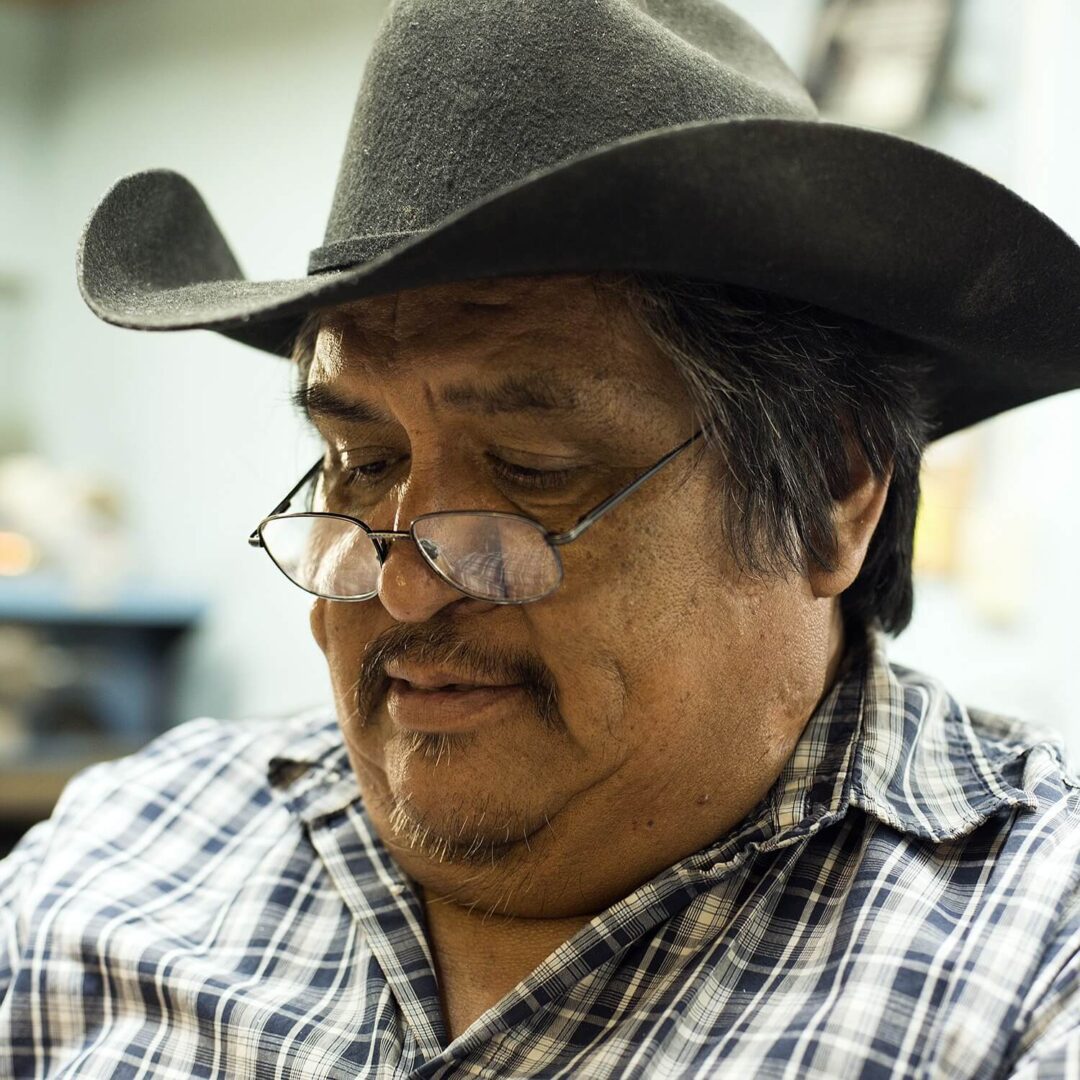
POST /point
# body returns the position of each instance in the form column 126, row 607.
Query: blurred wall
column 1009, row 637
column 27, row 38
column 251, row 100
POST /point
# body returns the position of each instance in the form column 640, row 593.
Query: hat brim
column 865, row 223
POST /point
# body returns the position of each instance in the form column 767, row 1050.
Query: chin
column 475, row 832
column 467, row 799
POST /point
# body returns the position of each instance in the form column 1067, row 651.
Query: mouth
column 451, row 707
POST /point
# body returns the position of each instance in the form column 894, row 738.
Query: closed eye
column 364, row 475
column 370, row 474
column 539, row 479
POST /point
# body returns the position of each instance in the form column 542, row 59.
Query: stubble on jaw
column 456, row 837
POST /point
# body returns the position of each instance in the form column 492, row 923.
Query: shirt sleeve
column 18, row 871
column 21, row 870
column 1049, row 1046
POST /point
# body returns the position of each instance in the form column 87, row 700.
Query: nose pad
column 430, row 548
column 382, row 547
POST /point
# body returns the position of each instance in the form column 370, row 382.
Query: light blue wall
column 251, row 100
column 27, row 39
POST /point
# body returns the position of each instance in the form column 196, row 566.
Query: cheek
column 634, row 611
column 634, row 585
column 317, row 622
column 665, row 606
column 342, row 631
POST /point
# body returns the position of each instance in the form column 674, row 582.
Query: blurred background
column 133, row 466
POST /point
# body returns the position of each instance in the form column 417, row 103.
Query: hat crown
column 461, row 99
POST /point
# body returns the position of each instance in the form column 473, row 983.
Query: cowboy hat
column 511, row 137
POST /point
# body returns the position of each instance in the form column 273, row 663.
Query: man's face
column 658, row 692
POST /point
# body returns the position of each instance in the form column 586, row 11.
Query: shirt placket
column 381, row 899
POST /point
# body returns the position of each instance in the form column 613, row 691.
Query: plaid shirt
column 903, row 903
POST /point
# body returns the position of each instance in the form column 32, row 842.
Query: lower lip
column 443, row 710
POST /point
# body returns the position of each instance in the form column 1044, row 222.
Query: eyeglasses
column 490, row 555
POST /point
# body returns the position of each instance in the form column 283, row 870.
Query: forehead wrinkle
column 384, row 333
column 485, row 342
column 612, row 409
column 343, row 351
column 597, row 383
column 533, row 391
column 377, row 330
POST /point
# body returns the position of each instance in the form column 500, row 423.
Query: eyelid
column 341, row 451
column 535, row 461
column 547, row 467
column 352, row 457
column 525, row 458
column 523, row 477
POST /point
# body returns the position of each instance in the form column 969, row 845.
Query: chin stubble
column 438, row 643
column 462, row 843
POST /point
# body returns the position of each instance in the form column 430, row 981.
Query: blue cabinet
column 80, row 683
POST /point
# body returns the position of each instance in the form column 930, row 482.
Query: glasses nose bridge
column 385, row 537
column 390, row 534
column 382, row 538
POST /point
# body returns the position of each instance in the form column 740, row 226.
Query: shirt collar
column 311, row 770
column 894, row 743
column 885, row 739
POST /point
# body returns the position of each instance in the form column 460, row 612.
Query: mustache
column 441, row 644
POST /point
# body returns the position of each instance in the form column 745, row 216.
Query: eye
column 537, row 479
column 360, row 475
column 371, row 473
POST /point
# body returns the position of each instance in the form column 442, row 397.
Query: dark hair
column 786, row 392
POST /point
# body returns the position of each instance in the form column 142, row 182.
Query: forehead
column 572, row 325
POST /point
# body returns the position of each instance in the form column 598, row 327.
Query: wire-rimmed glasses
column 490, row 555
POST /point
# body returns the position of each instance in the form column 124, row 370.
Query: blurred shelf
column 84, row 680
column 48, row 599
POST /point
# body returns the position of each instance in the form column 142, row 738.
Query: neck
column 480, row 957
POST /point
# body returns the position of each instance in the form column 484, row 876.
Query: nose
column 409, row 589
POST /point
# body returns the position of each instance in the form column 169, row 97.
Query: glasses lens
column 326, row 555
column 492, row 556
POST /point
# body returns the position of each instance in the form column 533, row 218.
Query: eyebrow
column 535, row 393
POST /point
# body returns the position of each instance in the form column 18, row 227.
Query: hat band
column 354, row 251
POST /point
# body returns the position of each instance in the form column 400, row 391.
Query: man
column 623, row 363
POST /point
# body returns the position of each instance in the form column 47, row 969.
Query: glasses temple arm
column 612, row 501
column 254, row 539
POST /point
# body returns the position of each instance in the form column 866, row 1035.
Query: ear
column 854, row 519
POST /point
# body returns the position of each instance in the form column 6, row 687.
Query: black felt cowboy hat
column 507, row 137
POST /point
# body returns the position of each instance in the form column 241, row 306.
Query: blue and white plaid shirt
column 903, row 903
